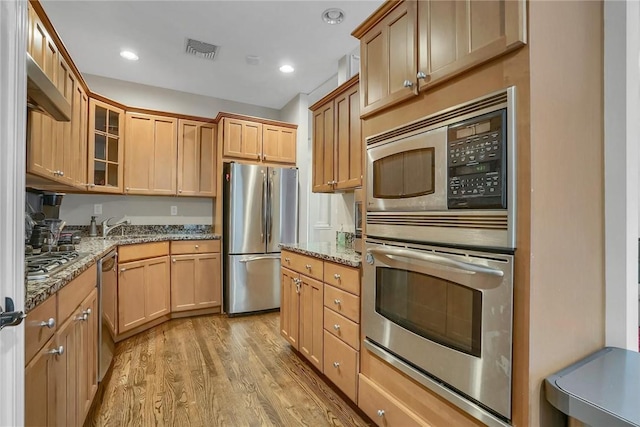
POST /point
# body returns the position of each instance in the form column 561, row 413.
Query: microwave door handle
column 463, row 267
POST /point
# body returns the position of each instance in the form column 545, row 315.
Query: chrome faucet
column 106, row 228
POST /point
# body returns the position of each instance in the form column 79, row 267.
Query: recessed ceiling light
column 287, row 69
column 127, row 54
column 333, row 16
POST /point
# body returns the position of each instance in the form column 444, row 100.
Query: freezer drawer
column 253, row 283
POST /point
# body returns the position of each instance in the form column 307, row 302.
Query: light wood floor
column 215, row 370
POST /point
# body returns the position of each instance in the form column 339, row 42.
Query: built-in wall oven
column 439, row 252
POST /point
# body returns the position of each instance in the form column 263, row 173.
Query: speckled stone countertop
column 327, row 251
column 93, row 249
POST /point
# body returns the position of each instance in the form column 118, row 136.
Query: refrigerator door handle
column 270, row 208
column 258, row 258
column 263, row 213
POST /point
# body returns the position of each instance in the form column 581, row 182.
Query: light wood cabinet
column 150, row 159
column 256, row 140
column 79, row 131
column 415, row 45
column 278, row 144
column 311, row 320
column 41, row 46
column 105, row 147
column 290, row 306
column 388, row 59
column 337, row 140
column 144, row 289
column 195, row 278
column 87, row 355
column 40, row 388
column 242, row 139
column 383, row 408
column 197, row 158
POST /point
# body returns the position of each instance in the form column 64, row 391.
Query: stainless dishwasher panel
column 108, row 311
column 253, row 283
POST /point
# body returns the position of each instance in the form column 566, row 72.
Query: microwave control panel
column 477, row 163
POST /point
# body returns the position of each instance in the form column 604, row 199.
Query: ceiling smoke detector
column 333, row 16
column 202, row 49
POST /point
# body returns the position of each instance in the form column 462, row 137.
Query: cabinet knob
column 336, row 276
column 197, row 246
column 258, row 156
column 91, row 185
column 61, row 173
column 82, row 318
column 337, row 302
column 87, row 312
column 336, row 327
column 421, row 75
column 59, row 351
column 51, row 323
column 179, row 191
column 287, row 260
column 407, row 83
column 122, row 270
column 381, row 412
column 336, row 364
column 264, row 157
column 126, row 189
column 308, row 266
column 173, row 260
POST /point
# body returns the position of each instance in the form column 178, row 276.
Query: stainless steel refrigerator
column 260, row 212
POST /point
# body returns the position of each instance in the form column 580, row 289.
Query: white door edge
column 13, row 40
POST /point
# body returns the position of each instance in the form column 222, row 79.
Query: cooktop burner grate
column 43, row 266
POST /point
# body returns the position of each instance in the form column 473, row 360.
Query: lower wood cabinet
column 383, row 408
column 195, row 277
column 61, row 379
column 320, row 319
column 144, row 289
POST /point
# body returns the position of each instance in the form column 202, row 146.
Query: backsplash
column 345, row 239
column 138, row 230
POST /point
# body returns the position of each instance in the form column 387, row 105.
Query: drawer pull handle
column 51, row 323
column 336, row 364
column 336, row 327
column 59, row 351
column 381, row 412
column 336, row 276
column 337, row 302
column 308, row 266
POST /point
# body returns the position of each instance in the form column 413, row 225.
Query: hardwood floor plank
column 217, row 371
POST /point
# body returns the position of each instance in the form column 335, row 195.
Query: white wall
column 622, row 109
column 296, row 112
column 77, row 209
column 155, row 98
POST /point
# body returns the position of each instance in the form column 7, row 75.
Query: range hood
column 43, row 96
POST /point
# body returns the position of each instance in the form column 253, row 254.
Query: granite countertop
column 327, row 251
column 94, row 248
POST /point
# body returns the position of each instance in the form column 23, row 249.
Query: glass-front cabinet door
column 106, row 139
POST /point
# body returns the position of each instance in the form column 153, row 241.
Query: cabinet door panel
column 131, row 296
column 374, row 81
column 207, row 289
column 64, row 150
column 40, row 388
column 139, row 153
column 323, row 140
column 311, row 321
column 88, row 355
column 67, row 367
column 278, row 144
column 242, row 139
column 289, row 307
column 183, row 282
column 207, row 161
column 164, row 155
column 157, row 288
column 348, row 143
column 105, row 168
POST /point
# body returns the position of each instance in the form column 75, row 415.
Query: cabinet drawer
column 142, row 251
column 341, row 365
column 383, row 408
column 195, row 247
column 35, row 333
column 306, row 265
column 340, row 276
column 343, row 328
column 70, row 297
column 342, row 302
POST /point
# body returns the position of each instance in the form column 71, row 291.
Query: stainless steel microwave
column 447, row 178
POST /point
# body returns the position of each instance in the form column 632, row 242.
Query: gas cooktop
column 43, row 266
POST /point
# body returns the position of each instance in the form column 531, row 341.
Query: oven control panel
column 477, row 164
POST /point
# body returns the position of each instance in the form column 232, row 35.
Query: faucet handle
column 106, row 221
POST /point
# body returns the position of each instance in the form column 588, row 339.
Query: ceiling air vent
column 202, row 49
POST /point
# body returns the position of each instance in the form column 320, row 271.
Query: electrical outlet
column 97, row 209
column 174, row 210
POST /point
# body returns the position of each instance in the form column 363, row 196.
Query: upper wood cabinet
column 105, row 148
column 409, row 45
column 150, row 154
column 337, row 140
column 41, row 46
column 257, row 140
column 196, row 158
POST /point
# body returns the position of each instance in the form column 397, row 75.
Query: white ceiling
column 279, row 32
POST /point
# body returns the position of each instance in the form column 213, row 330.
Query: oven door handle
column 464, row 267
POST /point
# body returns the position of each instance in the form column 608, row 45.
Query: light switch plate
column 174, row 210
column 97, row 209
